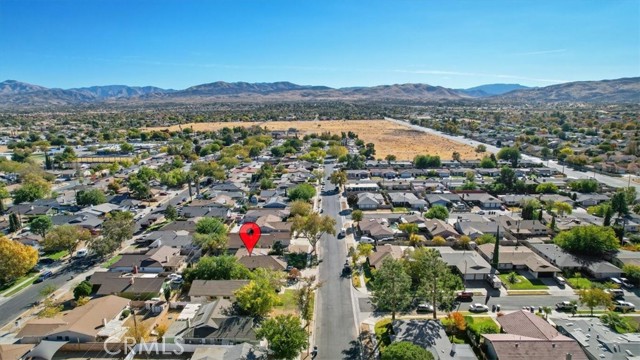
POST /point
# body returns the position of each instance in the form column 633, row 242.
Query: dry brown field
column 388, row 137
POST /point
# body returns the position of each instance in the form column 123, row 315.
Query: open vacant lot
column 389, row 138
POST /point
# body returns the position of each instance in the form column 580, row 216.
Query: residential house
column 514, row 200
column 528, row 336
column 357, row 174
column 202, row 291
column 95, row 321
column 595, row 267
column 598, row 341
column 370, row 201
column 376, row 228
column 406, row 199
column 482, row 200
column 475, row 229
column 156, row 260
column 270, row 262
column 211, row 325
column 586, row 200
column 445, row 199
column 437, row 227
column 382, row 252
column 396, row 184
column 524, row 229
column 430, row 335
column 519, row 258
column 470, row 264
column 131, row 286
column 361, row 186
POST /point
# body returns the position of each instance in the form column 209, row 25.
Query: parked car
column 566, row 306
column 616, row 293
column 464, row 296
column 477, row 307
column 623, row 306
column 626, row 283
column 616, row 281
column 560, row 280
column 425, row 307
column 342, row 233
column 81, row 253
column 367, row 240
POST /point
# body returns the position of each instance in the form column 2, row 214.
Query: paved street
column 335, row 331
column 609, row 180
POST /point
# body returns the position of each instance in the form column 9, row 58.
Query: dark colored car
column 44, row 276
column 464, row 296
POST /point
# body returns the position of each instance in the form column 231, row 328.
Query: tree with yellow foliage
column 16, row 259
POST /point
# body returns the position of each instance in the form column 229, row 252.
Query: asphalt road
column 335, row 328
column 620, row 182
column 17, row 304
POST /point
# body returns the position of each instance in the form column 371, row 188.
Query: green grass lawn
column 288, row 301
column 111, row 261
column 482, row 325
column 57, row 255
column 523, row 283
column 579, row 283
column 13, row 287
column 381, row 329
column 400, row 210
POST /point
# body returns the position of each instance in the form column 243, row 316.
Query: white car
column 367, row 240
column 477, row 307
column 174, row 276
column 623, row 306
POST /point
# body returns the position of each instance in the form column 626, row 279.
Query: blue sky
column 176, row 44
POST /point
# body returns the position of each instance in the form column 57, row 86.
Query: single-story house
column 155, row 260
column 528, row 336
column 482, row 200
column 470, row 264
column 370, row 201
column 519, row 258
column 202, row 291
column 382, row 252
column 406, row 199
column 437, row 227
column 430, row 335
column 130, row 286
column 598, row 268
column 88, row 323
column 597, row 340
column 211, row 325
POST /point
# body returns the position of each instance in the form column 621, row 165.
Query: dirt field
column 389, row 138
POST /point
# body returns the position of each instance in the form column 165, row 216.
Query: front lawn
column 57, row 255
column 10, row 288
column 400, row 210
column 522, row 283
column 287, row 302
column 481, row 325
column 382, row 329
column 579, row 283
column 111, row 261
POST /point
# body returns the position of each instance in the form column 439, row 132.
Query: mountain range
column 20, row 95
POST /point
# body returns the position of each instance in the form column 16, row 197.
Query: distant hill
column 119, row 91
column 19, row 95
column 492, row 89
column 625, row 90
column 10, row 87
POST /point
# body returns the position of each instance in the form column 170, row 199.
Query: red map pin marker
column 250, row 234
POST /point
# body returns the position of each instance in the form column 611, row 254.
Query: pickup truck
column 566, row 306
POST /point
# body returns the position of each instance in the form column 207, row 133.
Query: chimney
column 569, row 356
column 166, row 259
column 131, row 281
column 553, row 345
column 188, row 323
column 517, row 345
column 104, row 322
